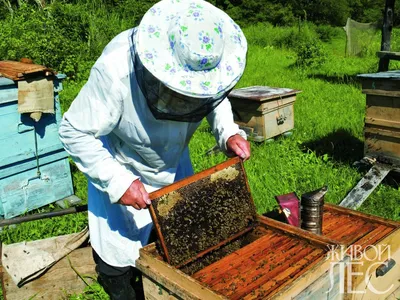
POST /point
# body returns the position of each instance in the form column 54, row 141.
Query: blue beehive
column 34, row 168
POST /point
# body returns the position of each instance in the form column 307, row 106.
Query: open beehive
column 226, row 251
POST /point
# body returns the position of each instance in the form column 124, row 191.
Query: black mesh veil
column 165, row 103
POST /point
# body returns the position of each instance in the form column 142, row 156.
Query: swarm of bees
column 203, row 214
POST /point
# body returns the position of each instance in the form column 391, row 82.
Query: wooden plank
column 260, row 269
column 181, row 183
column 26, row 191
column 366, row 266
column 378, row 92
column 383, row 110
column 388, row 55
column 318, row 240
column 382, row 122
column 366, row 186
column 17, row 70
column 326, row 287
column 332, row 224
column 371, row 239
column 367, row 217
column 184, row 286
column 353, row 233
column 155, row 291
column 382, row 144
column 324, row 268
column 242, row 259
column 385, row 81
column 386, row 33
column 372, row 77
column 286, row 277
column 261, row 93
column 58, row 281
column 395, row 295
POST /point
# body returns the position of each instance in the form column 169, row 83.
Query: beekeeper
column 128, row 129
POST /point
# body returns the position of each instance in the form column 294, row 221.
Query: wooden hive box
column 268, row 259
column 382, row 116
column 25, row 145
column 262, row 111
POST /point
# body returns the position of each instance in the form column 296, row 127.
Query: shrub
column 326, row 33
column 311, row 53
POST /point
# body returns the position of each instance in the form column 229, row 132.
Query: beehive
column 262, row 111
column 382, row 116
column 34, row 168
column 273, row 260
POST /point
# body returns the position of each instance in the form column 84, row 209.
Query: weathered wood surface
column 373, row 257
column 20, row 186
column 366, row 186
column 261, row 268
column 263, row 112
column 327, row 286
column 170, row 278
column 59, row 281
column 394, row 75
column 5, row 82
column 360, row 215
column 395, row 295
column 26, row 191
column 386, row 33
column 262, row 93
column 245, row 274
column 18, row 70
column 382, row 117
column 388, row 55
column 155, row 291
column 383, row 144
column 383, row 111
column 204, row 211
column 320, row 241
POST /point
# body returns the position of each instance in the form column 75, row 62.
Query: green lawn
column 326, row 141
column 328, row 134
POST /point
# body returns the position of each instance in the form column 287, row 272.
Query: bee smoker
column 312, row 209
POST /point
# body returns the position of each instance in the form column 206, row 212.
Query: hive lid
column 394, row 75
column 15, row 70
column 203, row 212
column 262, row 93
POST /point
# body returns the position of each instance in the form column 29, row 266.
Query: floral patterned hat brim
column 192, row 47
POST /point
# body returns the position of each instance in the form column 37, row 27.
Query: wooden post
column 386, row 34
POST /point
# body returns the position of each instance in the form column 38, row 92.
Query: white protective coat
column 114, row 139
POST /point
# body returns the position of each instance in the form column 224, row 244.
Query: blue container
column 34, row 168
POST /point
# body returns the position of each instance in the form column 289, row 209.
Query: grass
column 326, row 141
column 328, row 134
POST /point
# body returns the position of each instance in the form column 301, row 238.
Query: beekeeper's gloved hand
column 136, row 196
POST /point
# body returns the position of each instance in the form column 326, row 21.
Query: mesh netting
column 359, row 36
column 165, row 103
